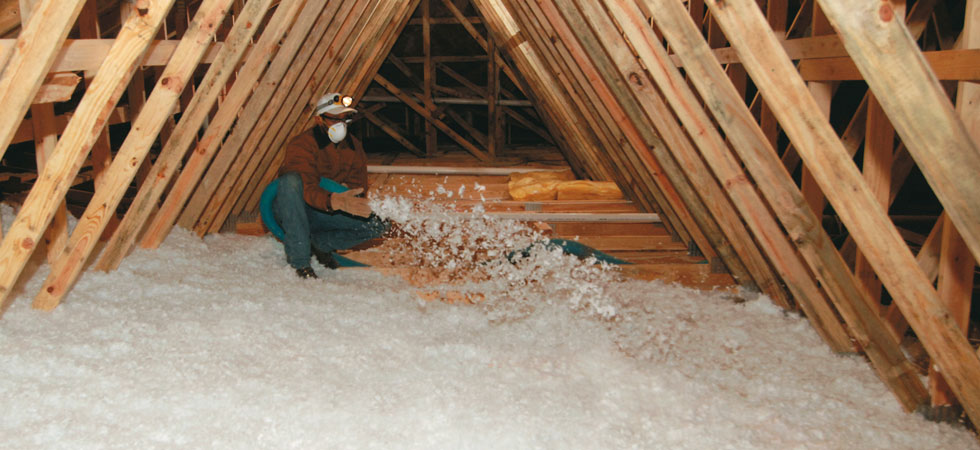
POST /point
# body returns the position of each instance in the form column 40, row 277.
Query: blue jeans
column 305, row 226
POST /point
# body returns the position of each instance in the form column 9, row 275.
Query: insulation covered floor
column 217, row 344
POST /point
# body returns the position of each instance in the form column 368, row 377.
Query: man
column 316, row 220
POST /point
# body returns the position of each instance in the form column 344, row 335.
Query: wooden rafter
column 91, row 116
column 130, row 156
column 183, row 135
column 840, row 181
column 256, row 62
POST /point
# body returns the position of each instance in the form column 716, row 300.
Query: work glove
column 349, row 201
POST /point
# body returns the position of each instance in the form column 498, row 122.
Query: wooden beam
column 823, row 94
column 88, row 27
column 57, row 87
column 428, row 81
column 890, row 60
column 146, row 127
column 90, row 117
column 78, row 55
column 391, row 130
column 958, row 65
column 184, row 134
column 245, row 81
column 840, row 180
column 30, row 61
column 10, row 20
column 495, row 136
column 957, row 265
column 956, row 270
column 45, row 140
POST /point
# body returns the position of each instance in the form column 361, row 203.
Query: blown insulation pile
column 216, row 343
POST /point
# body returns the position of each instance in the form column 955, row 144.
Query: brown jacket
column 312, row 155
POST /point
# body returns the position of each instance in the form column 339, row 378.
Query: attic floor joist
column 694, row 108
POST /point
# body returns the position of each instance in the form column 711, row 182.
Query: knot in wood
column 27, row 243
column 635, row 79
column 886, row 13
column 142, row 7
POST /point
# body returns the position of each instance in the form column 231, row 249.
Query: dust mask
column 337, row 132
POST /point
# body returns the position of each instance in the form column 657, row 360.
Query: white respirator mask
column 337, row 132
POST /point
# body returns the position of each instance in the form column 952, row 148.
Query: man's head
column 331, row 112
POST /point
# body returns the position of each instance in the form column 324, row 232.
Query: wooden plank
column 495, row 136
column 429, row 81
column 573, row 229
column 876, row 168
column 163, row 99
column 45, row 140
column 840, row 180
column 87, row 55
column 391, row 129
column 262, row 102
column 57, row 87
column 958, row 65
column 695, row 276
column 10, row 21
column 88, row 27
column 183, row 135
column 890, row 61
column 31, row 60
column 957, row 265
column 823, row 94
column 726, row 168
column 90, row 116
column 956, row 291
column 245, row 80
column 578, row 217
column 632, row 243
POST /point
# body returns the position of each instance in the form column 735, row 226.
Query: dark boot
column 306, row 273
column 325, row 258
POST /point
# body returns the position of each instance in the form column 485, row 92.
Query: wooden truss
column 749, row 126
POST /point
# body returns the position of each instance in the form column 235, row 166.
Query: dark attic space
column 486, row 224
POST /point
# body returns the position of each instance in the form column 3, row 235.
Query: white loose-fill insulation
column 216, row 343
